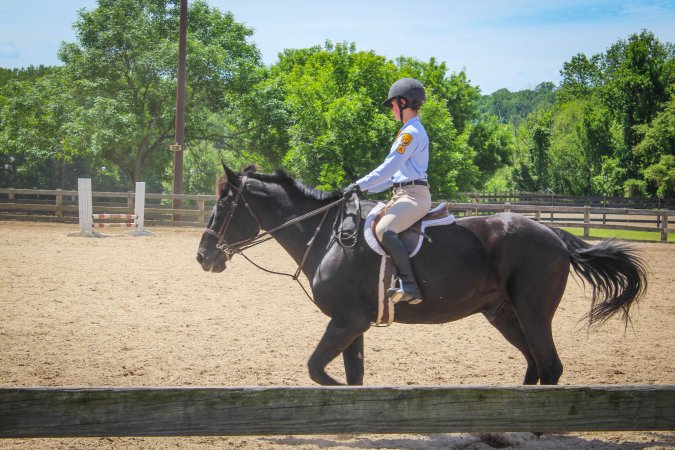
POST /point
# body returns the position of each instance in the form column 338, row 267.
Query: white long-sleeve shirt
column 407, row 160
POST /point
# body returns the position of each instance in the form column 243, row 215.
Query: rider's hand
column 350, row 190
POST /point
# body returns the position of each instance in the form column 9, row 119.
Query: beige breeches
column 408, row 205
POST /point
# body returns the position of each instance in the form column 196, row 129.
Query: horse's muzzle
column 215, row 263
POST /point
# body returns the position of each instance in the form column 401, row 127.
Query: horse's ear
column 250, row 168
column 232, row 177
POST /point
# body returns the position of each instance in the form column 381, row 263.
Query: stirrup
column 398, row 295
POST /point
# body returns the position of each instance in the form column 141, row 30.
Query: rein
column 238, row 247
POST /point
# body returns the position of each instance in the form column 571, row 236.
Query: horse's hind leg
column 335, row 340
column 353, row 359
column 534, row 304
column 540, row 337
column 507, row 324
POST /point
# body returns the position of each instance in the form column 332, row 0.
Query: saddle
column 414, row 236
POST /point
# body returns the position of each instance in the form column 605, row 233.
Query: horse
column 508, row 267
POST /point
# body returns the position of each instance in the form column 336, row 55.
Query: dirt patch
column 126, row 311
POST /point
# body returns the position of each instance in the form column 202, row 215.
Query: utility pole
column 177, row 147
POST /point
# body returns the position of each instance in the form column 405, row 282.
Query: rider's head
column 408, row 93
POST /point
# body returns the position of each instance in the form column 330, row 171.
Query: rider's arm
column 380, row 178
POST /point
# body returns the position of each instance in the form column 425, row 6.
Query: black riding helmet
column 409, row 89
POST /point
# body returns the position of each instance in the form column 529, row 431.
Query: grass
column 648, row 236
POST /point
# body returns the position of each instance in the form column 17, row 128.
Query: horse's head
column 232, row 222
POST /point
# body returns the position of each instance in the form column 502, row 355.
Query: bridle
column 229, row 249
column 236, row 247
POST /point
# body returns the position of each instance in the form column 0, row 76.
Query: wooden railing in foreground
column 30, row 204
column 180, row 411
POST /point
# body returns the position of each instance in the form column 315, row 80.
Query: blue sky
column 515, row 44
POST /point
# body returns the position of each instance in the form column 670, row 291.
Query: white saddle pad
column 375, row 245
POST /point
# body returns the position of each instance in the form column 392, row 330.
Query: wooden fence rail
column 538, row 198
column 62, row 412
column 59, row 205
column 581, row 216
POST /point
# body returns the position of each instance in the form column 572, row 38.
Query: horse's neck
column 295, row 238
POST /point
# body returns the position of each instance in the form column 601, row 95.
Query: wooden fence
column 63, row 412
column 61, row 205
column 599, row 201
column 585, row 217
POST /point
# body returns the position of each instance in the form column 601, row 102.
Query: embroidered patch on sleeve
column 401, row 149
column 406, row 138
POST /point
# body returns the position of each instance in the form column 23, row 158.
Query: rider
column 405, row 170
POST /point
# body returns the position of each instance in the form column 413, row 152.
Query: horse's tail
column 614, row 270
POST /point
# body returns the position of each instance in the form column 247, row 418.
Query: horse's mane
column 282, row 178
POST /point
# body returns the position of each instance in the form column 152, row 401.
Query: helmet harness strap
column 400, row 107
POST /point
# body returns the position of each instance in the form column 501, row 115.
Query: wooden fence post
column 587, row 221
column 507, row 207
column 59, row 203
column 664, row 228
column 200, row 207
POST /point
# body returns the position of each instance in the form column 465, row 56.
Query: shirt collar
column 414, row 119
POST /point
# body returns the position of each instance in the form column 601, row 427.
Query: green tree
column 604, row 109
column 539, row 146
column 36, row 131
column 581, row 137
column 610, row 180
column 636, row 83
column 656, row 150
column 658, row 137
column 332, row 99
column 449, row 116
column 30, row 73
column 452, row 167
column 662, row 175
column 123, row 68
column 493, row 144
column 581, row 76
column 514, row 107
column 532, row 153
column 337, row 129
column 260, row 130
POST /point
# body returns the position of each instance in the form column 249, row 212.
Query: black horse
column 506, row 266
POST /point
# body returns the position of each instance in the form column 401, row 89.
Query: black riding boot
column 409, row 290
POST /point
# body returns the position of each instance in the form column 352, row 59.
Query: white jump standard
column 86, row 216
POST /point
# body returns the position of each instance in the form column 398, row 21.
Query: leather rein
column 238, row 247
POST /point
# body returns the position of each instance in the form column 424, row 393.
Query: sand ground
column 139, row 311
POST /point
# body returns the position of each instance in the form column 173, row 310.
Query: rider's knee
column 380, row 230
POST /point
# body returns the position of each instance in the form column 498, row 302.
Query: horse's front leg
column 336, row 340
column 353, row 359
